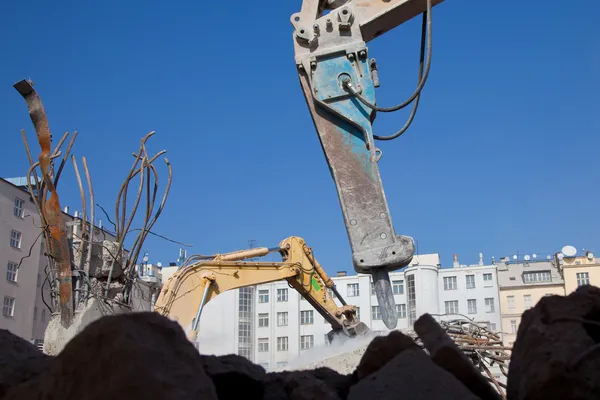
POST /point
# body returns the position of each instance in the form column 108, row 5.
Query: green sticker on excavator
column 315, row 284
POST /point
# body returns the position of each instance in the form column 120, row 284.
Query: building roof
column 512, row 274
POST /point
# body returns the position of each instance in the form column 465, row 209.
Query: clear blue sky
column 502, row 157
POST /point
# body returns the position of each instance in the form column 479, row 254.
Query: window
column 282, row 364
column 358, row 312
column 583, row 278
column 470, row 279
column 401, row 308
column 9, row 307
column 375, row 314
column 263, row 320
column 265, row 366
column 489, row 305
column 245, row 347
column 15, row 239
column 18, row 210
column 263, row 345
column 451, row 307
column 39, row 343
column 307, row 342
column 372, row 289
column 449, row 283
column 492, row 326
column 11, row 271
column 35, row 310
column 282, row 318
column 398, row 287
column 487, row 280
column 331, row 293
column 513, row 326
column 282, row 295
column 44, row 315
column 412, row 299
column 537, row 277
column 263, row 296
column 527, row 301
column 353, row 290
column 472, row 306
column 306, row 317
column 511, row 302
column 282, row 343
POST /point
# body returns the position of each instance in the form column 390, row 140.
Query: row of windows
column 450, row 282
column 451, row 307
column 306, row 342
column 353, row 289
column 307, row 316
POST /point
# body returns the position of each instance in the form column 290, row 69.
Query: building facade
column 521, row 285
column 24, row 289
column 273, row 325
column 579, row 270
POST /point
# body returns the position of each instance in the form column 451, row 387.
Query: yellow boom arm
column 191, row 287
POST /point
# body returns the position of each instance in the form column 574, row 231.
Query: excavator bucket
column 356, row 331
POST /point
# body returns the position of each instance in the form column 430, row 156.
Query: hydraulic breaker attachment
column 331, row 57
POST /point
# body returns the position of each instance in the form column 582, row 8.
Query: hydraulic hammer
column 338, row 80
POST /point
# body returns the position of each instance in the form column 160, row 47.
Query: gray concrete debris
column 557, row 351
column 147, row 356
column 20, row 361
column 445, row 353
column 410, row 375
column 127, row 356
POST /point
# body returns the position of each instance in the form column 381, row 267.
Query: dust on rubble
column 342, row 355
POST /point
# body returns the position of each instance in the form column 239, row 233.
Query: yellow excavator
column 186, row 292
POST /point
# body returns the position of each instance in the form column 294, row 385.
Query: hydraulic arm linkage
column 338, row 80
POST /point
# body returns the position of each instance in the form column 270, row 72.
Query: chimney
column 341, row 273
column 456, row 264
column 481, row 259
column 66, row 210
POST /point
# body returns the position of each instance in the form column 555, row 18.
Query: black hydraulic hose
column 426, row 21
column 413, row 112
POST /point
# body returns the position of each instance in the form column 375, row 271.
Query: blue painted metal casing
column 347, row 138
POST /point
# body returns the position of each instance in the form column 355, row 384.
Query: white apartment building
column 272, row 325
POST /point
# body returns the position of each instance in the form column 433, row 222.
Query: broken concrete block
column 555, row 354
column 410, row 375
column 134, row 356
column 298, row 385
column 20, row 361
column 224, row 370
column 445, row 353
column 381, row 350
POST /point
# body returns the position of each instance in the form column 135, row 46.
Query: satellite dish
column 590, row 255
column 560, row 256
column 159, row 264
column 548, row 257
column 569, row 251
column 534, row 256
column 145, row 259
column 527, row 258
column 515, row 257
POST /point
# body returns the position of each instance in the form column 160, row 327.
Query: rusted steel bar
column 59, row 244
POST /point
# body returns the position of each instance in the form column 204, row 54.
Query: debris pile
column 145, row 355
column 483, row 347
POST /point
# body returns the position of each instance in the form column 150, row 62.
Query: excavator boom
column 191, row 287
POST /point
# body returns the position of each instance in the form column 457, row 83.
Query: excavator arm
column 338, row 81
column 191, row 287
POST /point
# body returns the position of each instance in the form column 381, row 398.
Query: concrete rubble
column 146, row 356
